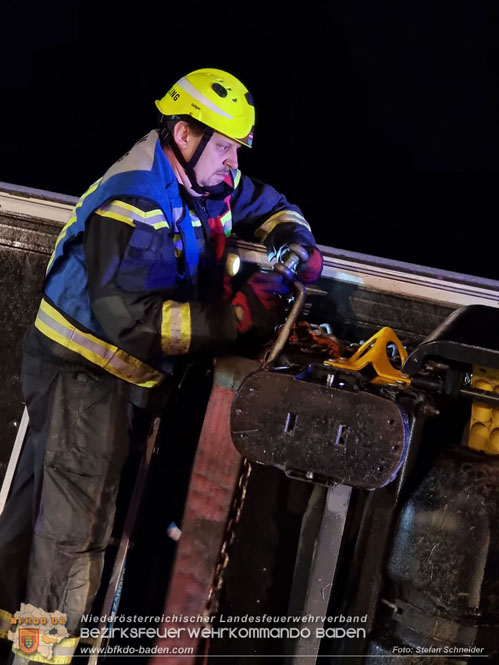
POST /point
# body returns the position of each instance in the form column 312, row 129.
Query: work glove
column 257, row 304
column 309, row 272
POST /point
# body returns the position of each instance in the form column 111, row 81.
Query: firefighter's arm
column 260, row 213
column 135, row 313
column 150, row 323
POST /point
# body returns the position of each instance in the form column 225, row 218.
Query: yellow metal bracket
column 374, row 353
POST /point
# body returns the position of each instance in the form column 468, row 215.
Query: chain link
column 229, row 535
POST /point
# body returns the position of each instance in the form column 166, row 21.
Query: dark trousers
column 59, row 517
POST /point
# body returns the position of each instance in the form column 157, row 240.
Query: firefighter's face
column 218, row 157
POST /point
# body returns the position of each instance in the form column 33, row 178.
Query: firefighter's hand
column 257, row 304
column 309, row 272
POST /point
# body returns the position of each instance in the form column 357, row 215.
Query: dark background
column 380, row 119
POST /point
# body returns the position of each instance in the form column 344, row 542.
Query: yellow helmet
column 215, row 98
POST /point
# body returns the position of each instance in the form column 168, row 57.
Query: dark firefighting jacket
column 136, row 278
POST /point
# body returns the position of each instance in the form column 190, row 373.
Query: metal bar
column 317, row 561
column 389, row 276
column 14, row 459
column 310, row 527
column 37, row 208
column 484, row 396
column 286, row 328
column 369, row 272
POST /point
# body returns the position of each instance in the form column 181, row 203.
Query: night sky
column 380, row 119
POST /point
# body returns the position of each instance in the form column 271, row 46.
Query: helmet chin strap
column 189, row 166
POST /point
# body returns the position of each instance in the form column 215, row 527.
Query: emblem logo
column 36, row 633
column 29, row 639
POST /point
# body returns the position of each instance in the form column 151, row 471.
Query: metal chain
column 229, row 535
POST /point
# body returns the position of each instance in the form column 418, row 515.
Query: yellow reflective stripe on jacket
column 72, row 220
column 116, row 209
column 61, row 235
column 5, row 623
column 91, row 189
column 62, row 652
column 279, row 218
column 130, row 214
column 122, row 205
column 178, row 245
column 195, row 221
column 113, row 215
column 55, row 326
column 226, row 220
column 236, row 177
column 176, row 328
column 161, row 225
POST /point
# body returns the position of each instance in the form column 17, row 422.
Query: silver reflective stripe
column 52, row 323
column 188, row 87
column 72, row 334
column 121, row 209
column 62, row 654
column 139, row 158
column 176, row 328
column 65, row 648
column 154, row 219
column 281, row 217
column 127, row 371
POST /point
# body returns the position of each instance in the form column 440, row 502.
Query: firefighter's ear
column 181, row 133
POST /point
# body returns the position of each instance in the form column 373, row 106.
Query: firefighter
column 136, row 283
